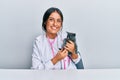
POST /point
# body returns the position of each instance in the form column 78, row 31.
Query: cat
column 72, row 37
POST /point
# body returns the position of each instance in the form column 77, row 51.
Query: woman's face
column 54, row 23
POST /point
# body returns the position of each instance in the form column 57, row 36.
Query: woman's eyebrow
column 53, row 17
column 50, row 17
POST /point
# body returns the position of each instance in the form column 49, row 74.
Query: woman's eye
column 59, row 21
column 51, row 19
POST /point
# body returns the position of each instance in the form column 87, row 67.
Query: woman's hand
column 70, row 46
column 60, row 55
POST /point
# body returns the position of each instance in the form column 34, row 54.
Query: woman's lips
column 54, row 28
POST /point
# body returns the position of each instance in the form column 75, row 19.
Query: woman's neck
column 51, row 36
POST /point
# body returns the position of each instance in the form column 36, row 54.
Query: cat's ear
column 74, row 34
column 67, row 32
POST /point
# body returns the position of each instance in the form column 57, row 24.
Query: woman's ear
column 44, row 23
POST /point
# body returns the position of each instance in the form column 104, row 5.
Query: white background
column 96, row 22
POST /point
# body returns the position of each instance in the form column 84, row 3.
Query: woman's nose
column 55, row 23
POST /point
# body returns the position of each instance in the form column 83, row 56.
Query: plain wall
column 96, row 22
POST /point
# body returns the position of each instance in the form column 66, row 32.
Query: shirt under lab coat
column 42, row 54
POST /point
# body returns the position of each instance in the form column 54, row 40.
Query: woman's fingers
column 70, row 46
column 62, row 53
column 71, row 42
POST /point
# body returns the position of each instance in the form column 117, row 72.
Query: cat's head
column 71, row 36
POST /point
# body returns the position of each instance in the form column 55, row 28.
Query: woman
column 48, row 53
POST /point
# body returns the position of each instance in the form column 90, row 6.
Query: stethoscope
column 67, row 59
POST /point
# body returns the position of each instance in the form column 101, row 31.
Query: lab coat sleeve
column 36, row 58
column 78, row 59
column 37, row 61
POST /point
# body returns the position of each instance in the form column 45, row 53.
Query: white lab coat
column 42, row 54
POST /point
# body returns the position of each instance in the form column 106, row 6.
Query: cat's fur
column 72, row 37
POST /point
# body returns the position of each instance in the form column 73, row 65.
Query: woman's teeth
column 54, row 28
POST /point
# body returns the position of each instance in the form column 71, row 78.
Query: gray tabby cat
column 72, row 37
